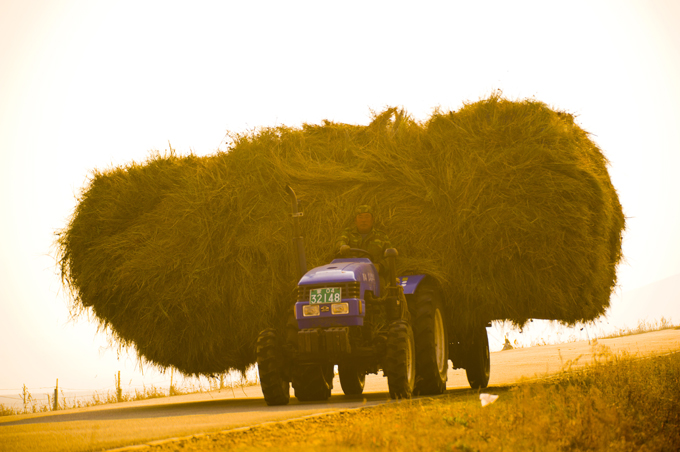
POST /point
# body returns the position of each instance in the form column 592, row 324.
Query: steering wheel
column 355, row 250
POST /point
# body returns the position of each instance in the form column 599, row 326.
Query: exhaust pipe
column 298, row 241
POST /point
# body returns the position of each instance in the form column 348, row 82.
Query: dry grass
column 97, row 398
column 507, row 204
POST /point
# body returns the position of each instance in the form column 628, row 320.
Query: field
column 618, row 403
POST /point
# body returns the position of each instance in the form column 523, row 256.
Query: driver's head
column 364, row 219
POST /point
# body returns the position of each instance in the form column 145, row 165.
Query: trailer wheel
column 431, row 341
column 313, row 382
column 478, row 365
column 400, row 366
column 352, row 379
column 271, row 367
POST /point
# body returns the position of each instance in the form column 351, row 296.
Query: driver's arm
column 343, row 241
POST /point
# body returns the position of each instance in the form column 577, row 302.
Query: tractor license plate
column 325, row 295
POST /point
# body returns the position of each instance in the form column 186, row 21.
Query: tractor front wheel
column 313, row 382
column 352, row 379
column 271, row 367
column 400, row 364
column 478, row 359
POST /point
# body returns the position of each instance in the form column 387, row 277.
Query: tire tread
column 271, row 369
column 395, row 367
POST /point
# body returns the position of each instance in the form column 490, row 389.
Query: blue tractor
column 342, row 316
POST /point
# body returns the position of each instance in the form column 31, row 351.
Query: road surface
column 137, row 423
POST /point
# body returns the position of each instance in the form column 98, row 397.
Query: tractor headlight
column 340, row 308
column 309, row 310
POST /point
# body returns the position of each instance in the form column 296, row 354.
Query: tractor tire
column 271, row 367
column 431, row 341
column 478, row 360
column 400, row 365
column 313, row 382
column 352, row 380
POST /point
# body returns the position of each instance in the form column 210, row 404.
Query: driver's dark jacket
column 376, row 242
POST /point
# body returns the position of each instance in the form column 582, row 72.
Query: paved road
column 130, row 423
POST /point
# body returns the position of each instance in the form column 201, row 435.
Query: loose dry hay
column 508, row 204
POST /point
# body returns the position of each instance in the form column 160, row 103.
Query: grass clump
column 619, row 403
column 508, row 205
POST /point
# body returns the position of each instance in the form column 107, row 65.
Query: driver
column 363, row 236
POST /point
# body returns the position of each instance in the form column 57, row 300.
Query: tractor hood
column 342, row 270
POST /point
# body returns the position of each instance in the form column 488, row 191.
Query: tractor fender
column 410, row 283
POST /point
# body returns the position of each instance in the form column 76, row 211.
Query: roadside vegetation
column 30, row 404
column 557, row 334
column 644, row 326
column 617, row 403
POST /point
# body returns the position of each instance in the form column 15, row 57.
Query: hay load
column 538, row 225
column 508, row 204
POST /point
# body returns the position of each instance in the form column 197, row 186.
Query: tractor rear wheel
column 400, row 365
column 478, row 359
column 431, row 341
column 352, row 379
column 271, row 367
column 313, row 382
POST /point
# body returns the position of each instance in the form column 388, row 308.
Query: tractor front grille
column 349, row 289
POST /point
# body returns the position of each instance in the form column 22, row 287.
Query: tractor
column 343, row 317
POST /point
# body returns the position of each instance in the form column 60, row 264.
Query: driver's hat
column 363, row 209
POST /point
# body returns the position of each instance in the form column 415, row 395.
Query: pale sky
column 89, row 84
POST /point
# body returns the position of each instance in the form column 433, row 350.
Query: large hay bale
column 508, row 204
